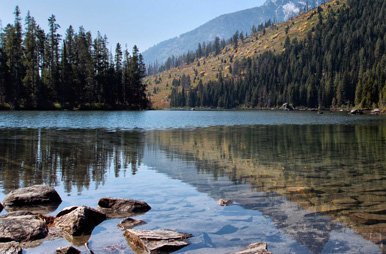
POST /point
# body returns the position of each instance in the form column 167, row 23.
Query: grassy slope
column 253, row 45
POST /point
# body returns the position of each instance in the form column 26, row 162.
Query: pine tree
column 118, row 73
column 31, row 77
column 51, row 59
column 216, row 46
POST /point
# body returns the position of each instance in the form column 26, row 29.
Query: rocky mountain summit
column 225, row 26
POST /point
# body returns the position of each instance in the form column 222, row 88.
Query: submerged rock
column 10, row 248
column 67, row 250
column 255, row 248
column 79, row 220
column 118, row 208
column 77, row 241
column 225, row 202
column 344, row 201
column 30, row 197
column 299, row 190
column 130, row 223
column 156, row 241
column 22, row 227
column 368, row 218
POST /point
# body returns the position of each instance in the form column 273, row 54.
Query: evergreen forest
column 205, row 49
column 340, row 63
column 45, row 70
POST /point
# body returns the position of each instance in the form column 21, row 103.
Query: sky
column 144, row 23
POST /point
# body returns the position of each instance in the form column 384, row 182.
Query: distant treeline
column 205, row 49
column 340, row 63
column 41, row 70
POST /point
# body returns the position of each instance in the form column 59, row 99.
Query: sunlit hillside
column 205, row 69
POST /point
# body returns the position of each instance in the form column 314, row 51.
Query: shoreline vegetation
column 103, row 107
column 45, row 70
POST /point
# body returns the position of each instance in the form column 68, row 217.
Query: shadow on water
column 308, row 179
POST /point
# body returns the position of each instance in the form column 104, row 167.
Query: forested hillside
column 40, row 70
column 341, row 62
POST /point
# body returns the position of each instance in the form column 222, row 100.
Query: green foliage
column 340, row 63
column 44, row 71
column 205, row 50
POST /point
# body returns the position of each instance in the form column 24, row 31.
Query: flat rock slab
column 119, row 208
column 21, row 227
column 37, row 195
column 67, row 250
column 10, row 248
column 129, row 223
column 156, row 241
column 78, row 220
column 255, row 248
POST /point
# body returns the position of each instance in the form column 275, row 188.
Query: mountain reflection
column 332, row 172
column 336, row 170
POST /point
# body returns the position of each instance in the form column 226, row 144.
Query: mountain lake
column 300, row 181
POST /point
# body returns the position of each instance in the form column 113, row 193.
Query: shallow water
column 304, row 183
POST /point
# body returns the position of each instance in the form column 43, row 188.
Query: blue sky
column 144, row 23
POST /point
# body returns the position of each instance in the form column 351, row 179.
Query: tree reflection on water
column 335, row 172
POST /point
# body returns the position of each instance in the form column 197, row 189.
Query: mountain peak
column 224, row 27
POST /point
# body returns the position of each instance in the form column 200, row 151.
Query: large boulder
column 119, row 208
column 32, row 197
column 22, row 227
column 156, row 241
column 11, row 248
column 78, row 220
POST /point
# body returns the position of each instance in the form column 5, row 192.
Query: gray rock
column 130, row 223
column 118, row 208
column 33, row 196
column 225, row 202
column 356, row 111
column 287, row 106
column 10, row 248
column 255, row 248
column 375, row 111
column 79, row 220
column 22, row 227
column 156, row 241
column 67, row 250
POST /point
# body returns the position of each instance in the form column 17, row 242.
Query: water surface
column 304, row 183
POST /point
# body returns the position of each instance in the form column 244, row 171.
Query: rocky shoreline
column 25, row 224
